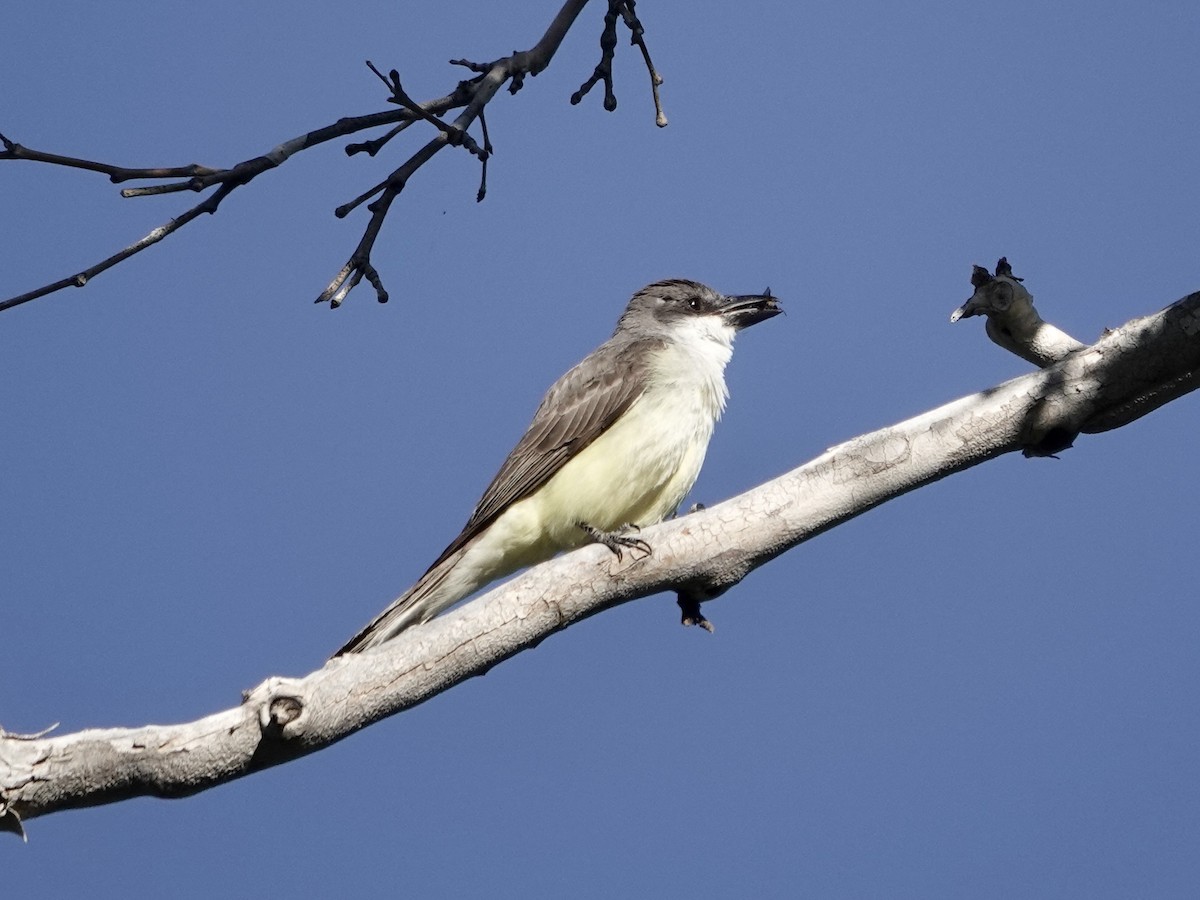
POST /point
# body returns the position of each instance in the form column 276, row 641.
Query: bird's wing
column 578, row 408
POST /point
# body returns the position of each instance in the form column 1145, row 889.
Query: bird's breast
column 640, row 469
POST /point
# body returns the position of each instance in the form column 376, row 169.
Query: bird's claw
column 618, row 541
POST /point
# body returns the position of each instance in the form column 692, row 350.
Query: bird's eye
column 694, row 304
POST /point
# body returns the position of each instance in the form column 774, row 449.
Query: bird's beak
column 745, row 310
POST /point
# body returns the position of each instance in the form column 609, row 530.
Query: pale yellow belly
column 636, row 473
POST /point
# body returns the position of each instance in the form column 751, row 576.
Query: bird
column 614, row 446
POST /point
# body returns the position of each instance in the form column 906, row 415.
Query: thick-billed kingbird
column 616, row 445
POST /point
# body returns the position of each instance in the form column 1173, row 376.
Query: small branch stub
column 1014, row 324
column 283, row 711
column 1012, row 321
column 689, row 611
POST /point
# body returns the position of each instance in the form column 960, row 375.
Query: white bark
column 1125, row 374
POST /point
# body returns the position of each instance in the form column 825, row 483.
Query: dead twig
column 470, row 96
column 625, row 9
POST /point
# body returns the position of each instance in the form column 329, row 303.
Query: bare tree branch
column 226, row 181
column 608, row 48
column 656, row 80
column 116, row 174
column 471, row 96
column 1014, row 324
column 699, row 556
column 1012, row 321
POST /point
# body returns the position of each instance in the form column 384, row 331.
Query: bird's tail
column 430, row 595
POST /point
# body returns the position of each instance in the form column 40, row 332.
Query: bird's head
column 667, row 306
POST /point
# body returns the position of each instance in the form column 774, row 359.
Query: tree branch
column 623, row 9
column 471, row 96
column 699, row 556
column 225, row 180
column 1012, row 321
column 1014, row 324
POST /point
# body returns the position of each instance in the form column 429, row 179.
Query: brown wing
column 578, row 408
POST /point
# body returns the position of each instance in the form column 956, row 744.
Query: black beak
column 745, row 310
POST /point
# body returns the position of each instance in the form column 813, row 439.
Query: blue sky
column 984, row 689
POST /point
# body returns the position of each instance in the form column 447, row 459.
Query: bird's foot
column 618, row 541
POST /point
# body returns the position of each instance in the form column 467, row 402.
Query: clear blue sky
column 985, row 689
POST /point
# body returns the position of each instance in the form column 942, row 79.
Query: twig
column 637, row 37
column 603, row 70
column 608, row 48
column 454, row 136
column 226, row 180
column 482, row 89
column 374, row 146
column 487, row 152
column 471, row 96
column 116, row 174
column 359, row 264
column 79, row 279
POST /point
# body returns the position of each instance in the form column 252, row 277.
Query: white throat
column 695, row 359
